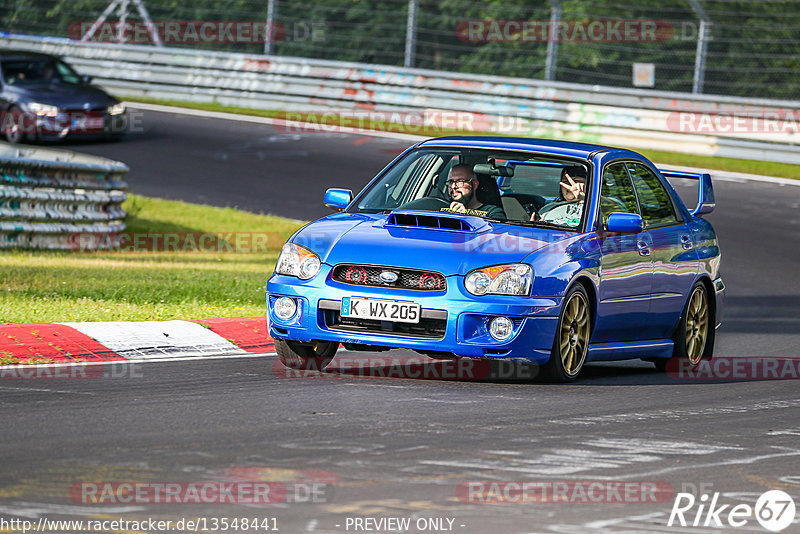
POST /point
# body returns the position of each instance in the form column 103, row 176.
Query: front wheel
column 571, row 343
column 694, row 338
column 13, row 125
column 313, row 356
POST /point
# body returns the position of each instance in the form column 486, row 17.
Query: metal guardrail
column 53, row 199
column 699, row 124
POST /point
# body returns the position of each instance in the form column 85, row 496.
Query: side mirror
column 86, row 80
column 337, row 199
column 624, row 222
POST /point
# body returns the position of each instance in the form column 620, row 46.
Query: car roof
column 549, row 146
column 23, row 54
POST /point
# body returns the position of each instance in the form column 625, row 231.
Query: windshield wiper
column 541, row 224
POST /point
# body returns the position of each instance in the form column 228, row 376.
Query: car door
column 675, row 261
column 626, row 269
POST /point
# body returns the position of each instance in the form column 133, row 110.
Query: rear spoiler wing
column 705, row 194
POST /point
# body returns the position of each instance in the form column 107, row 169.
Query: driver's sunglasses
column 457, row 182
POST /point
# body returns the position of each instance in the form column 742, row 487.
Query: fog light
column 501, row 328
column 285, row 308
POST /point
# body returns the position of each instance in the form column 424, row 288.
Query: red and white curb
column 146, row 340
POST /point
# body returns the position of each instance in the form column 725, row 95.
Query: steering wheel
column 425, row 203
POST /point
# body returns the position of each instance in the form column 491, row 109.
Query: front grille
column 370, row 275
column 426, row 328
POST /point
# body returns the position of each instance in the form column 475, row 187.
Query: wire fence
column 724, row 47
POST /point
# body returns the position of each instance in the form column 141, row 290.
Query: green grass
column 181, row 283
column 765, row 168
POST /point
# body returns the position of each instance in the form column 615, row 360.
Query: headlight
column 43, row 110
column 512, row 279
column 297, row 261
column 116, row 109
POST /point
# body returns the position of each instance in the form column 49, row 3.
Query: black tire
column 305, row 356
column 12, row 132
column 571, row 343
column 694, row 336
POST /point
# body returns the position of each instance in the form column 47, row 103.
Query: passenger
column 461, row 185
column 567, row 210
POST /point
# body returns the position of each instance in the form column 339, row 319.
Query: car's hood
column 65, row 96
column 375, row 240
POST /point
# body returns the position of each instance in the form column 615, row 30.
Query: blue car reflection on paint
column 617, row 268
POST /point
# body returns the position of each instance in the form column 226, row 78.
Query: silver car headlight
column 511, row 279
column 297, row 261
column 42, row 110
column 116, row 109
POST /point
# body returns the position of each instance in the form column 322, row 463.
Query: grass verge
column 764, row 168
column 189, row 278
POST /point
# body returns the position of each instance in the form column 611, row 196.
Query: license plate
column 381, row 310
column 89, row 123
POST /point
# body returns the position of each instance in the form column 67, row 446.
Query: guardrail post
column 702, row 41
column 268, row 47
column 552, row 44
column 411, row 34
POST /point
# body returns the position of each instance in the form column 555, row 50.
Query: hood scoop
column 439, row 221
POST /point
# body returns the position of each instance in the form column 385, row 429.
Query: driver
column 461, row 185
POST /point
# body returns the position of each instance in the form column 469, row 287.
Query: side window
column 66, row 74
column 655, row 202
column 616, row 192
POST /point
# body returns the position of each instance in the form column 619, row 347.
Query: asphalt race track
column 346, row 447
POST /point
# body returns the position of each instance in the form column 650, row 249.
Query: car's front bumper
column 460, row 320
column 81, row 125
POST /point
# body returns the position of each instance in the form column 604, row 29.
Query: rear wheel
column 694, row 338
column 313, row 356
column 571, row 343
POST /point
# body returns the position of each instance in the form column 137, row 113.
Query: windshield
column 38, row 71
column 513, row 187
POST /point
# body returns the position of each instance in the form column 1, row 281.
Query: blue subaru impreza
column 547, row 252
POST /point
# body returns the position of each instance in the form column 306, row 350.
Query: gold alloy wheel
column 574, row 340
column 696, row 325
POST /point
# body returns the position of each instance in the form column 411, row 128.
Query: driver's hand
column 577, row 189
column 458, row 206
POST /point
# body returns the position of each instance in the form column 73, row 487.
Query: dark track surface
column 399, row 447
column 251, row 166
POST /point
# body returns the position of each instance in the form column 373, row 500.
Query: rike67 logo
column 774, row 510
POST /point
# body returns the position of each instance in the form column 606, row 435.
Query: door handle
column 687, row 242
column 644, row 248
